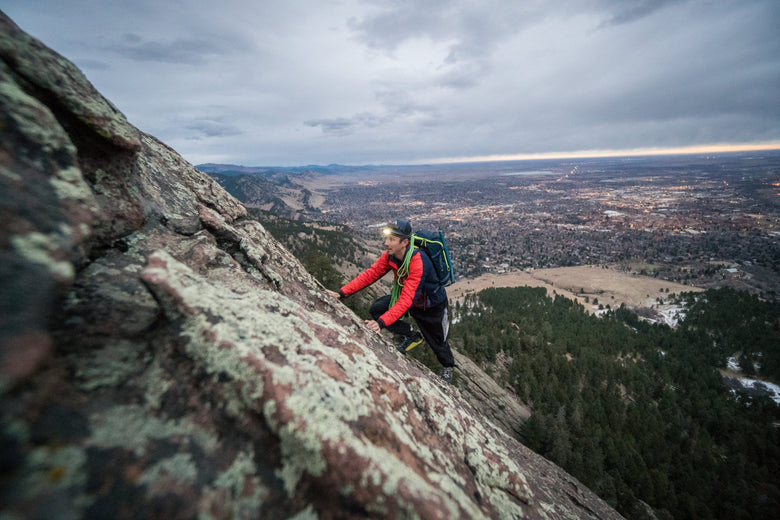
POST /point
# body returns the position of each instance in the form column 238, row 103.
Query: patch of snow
column 760, row 387
column 672, row 315
column 772, row 390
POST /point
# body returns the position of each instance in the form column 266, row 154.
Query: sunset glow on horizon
column 586, row 154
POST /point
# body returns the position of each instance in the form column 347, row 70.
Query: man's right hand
column 333, row 293
column 373, row 325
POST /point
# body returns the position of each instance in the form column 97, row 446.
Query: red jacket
column 411, row 283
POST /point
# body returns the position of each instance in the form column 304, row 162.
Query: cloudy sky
column 299, row 82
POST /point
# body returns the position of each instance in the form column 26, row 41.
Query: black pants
column 434, row 324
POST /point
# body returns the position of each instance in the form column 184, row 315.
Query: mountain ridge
column 164, row 356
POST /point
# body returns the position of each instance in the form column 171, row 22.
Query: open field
column 611, row 287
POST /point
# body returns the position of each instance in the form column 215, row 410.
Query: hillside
column 164, row 357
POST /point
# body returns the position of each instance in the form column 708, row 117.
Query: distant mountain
column 233, row 169
column 274, row 192
column 252, row 190
column 382, row 172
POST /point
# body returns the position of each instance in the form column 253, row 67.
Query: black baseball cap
column 400, row 228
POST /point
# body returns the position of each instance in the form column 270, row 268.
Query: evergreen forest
column 639, row 411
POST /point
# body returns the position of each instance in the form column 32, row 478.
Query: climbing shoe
column 446, row 374
column 409, row 343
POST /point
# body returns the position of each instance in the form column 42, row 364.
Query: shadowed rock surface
column 163, row 357
column 484, row 394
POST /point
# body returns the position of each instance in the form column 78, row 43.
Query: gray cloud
column 347, row 125
column 188, row 51
column 391, row 80
column 209, row 128
column 468, row 31
column 340, row 125
column 628, row 11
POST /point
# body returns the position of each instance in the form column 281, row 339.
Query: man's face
column 395, row 245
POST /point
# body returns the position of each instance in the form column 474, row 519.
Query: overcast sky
column 299, row 82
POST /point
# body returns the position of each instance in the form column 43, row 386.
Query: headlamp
column 399, row 228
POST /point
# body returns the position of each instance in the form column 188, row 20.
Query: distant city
column 704, row 220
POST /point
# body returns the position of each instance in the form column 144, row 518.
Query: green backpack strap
column 403, row 272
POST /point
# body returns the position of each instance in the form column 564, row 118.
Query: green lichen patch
column 113, row 365
column 44, row 250
column 69, row 184
column 49, row 470
column 179, row 467
column 131, row 427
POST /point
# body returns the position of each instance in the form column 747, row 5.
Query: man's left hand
column 373, row 325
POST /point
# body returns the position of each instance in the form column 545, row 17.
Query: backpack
column 434, row 245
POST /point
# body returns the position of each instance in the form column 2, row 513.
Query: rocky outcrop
column 164, row 357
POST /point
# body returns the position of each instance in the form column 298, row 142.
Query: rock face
column 484, row 394
column 163, row 357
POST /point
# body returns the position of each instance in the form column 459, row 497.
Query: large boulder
column 162, row 356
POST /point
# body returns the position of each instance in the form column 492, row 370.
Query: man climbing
column 416, row 291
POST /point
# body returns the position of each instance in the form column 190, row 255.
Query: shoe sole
column 414, row 344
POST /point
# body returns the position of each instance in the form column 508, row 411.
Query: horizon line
column 577, row 154
column 587, row 154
